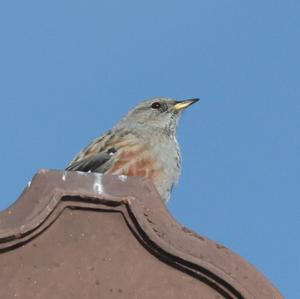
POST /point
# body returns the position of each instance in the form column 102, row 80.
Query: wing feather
column 103, row 152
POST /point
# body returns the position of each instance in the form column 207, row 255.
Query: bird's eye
column 156, row 105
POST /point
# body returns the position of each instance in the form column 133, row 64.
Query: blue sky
column 71, row 69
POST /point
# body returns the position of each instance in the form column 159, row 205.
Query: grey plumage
column 143, row 144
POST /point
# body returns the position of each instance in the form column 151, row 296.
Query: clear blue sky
column 70, row 69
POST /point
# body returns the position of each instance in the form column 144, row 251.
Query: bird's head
column 157, row 114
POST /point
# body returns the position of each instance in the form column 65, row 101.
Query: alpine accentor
column 142, row 144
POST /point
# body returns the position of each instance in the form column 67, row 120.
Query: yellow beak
column 184, row 104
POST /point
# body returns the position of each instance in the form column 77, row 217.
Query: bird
column 142, row 144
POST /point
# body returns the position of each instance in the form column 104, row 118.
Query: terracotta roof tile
column 79, row 235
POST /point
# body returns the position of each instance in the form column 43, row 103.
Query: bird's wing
column 94, row 157
column 93, row 163
column 104, row 152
